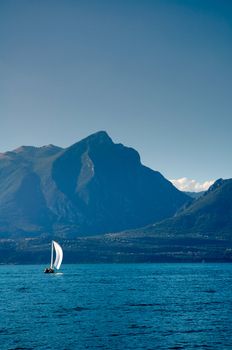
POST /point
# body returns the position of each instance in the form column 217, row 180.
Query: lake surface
column 134, row 306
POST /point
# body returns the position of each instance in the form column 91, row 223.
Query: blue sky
column 156, row 75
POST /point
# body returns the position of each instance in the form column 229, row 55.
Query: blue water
column 144, row 306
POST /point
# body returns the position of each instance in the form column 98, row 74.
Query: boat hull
column 49, row 270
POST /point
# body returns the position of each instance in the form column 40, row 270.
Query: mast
column 52, row 255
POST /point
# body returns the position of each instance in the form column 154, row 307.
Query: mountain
column 208, row 216
column 92, row 187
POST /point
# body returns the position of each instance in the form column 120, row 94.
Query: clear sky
column 156, row 75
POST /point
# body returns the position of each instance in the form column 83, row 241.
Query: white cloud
column 189, row 185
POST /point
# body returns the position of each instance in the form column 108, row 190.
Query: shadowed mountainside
column 93, row 187
column 208, row 216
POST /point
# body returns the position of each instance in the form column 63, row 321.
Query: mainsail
column 59, row 255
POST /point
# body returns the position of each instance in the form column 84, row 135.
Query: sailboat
column 58, row 260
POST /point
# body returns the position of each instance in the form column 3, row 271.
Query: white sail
column 59, row 255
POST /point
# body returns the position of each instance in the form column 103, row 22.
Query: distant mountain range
column 92, row 187
column 103, row 205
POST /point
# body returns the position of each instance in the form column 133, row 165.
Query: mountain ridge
column 93, row 186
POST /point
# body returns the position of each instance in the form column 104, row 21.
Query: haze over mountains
column 92, row 187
